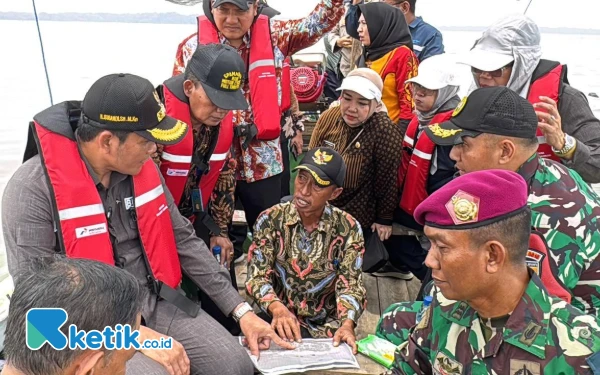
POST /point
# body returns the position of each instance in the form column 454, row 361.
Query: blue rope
column 37, row 22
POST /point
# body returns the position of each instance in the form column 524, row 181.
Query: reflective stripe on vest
column 82, row 221
column 547, row 85
column 176, row 160
column 264, row 90
column 416, row 163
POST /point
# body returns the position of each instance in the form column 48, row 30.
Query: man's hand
column 550, row 122
column 346, row 334
column 226, row 249
column 297, row 143
column 258, row 334
column 284, row 322
column 383, row 231
column 174, row 360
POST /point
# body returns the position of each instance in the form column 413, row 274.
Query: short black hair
column 512, row 232
column 87, row 133
column 94, row 295
column 412, row 3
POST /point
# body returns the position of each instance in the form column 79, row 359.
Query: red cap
column 474, row 200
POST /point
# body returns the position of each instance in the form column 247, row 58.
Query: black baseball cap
column 491, row 110
column 128, row 102
column 221, row 71
column 325, row 165
column 242, row 4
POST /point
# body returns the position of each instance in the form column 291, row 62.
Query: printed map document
column 311, row 354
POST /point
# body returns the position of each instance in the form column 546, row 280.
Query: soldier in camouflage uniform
column 496, row 129
column 490, row 313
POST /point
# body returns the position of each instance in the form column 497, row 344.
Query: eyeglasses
column 494, row 74
column 237, row 12
column 422, row 91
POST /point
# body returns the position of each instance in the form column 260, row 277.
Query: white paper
column 311, row 354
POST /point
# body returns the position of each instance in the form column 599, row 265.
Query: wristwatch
column 241, row 311
column 569, row 145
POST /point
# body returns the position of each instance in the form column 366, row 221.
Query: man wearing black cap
column 88, row 188
column 305, row 259
column 197, row 170
column 263, row 45
column 495, row 128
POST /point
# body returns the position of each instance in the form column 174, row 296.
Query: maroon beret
column 474, row 200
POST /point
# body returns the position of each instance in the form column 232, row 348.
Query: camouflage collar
column 529, row 168
column 526, row 328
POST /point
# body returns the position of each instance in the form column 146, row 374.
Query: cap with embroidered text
column 490, row 110
column 221, row 71
column 325, row 165
column 127, row 102
column 474, row 200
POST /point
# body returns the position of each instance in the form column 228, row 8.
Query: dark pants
column 207, row 304
column 407, row 250
column 334, row 81
column 286, row 175
column 258, row 196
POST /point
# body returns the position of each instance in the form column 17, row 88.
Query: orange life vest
column 264, row 90
column 79, row 212
column 416, row 163
column 176, row 160
column 549, row 84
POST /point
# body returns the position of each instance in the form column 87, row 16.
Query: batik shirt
column 317, row 275
column 263, row 159
column 566, row 211
column 543, row 335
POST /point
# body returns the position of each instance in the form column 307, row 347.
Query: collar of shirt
column 416, row 23
column 293, row 218
column 245, row 40
column 529, row 168
column 528, row 334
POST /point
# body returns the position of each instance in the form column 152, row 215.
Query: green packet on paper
column 379, row 350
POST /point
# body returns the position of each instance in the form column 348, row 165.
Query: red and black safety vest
column 176, row 160
column 416, row 163
column 549, row 85
column 79, row 212
column 264, row 90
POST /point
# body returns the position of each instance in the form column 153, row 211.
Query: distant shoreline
column 182, row 19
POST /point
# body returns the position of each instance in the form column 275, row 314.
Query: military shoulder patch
column 444, row 365
column 534, row 260
column 518, row 367
column 530, row 333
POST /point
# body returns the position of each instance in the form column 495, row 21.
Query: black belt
column 172, row 296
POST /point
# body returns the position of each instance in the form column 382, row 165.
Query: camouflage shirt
column 566, row 211
column 317, row 275
column 543, row 335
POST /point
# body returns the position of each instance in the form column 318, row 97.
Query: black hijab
column 387, row 28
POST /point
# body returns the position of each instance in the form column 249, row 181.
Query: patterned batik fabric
column 316, row 275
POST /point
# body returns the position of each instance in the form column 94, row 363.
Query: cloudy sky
column 547, row 13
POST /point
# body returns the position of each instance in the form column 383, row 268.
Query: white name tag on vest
column 90, row 230
column 177, row 172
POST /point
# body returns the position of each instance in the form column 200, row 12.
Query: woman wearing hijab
column 425, row 167
column 388, row 50
column 371, row 146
